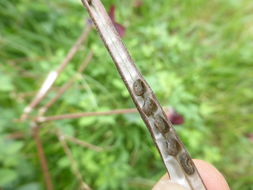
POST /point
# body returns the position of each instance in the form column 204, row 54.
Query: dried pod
column 186, row 163
column 173, row 146
column 139, row 87
column 161, row 124
column 149, row 106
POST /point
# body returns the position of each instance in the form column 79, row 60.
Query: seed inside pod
column 161, row 124
column 89, row 2
column 149, row 106
column 173, row 146
column 186, row 163
column 139, row 87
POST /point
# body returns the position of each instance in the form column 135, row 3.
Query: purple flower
column 249, row 136
column 174, row 117
column 121, row 29
column 138, row 3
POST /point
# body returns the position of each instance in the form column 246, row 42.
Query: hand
column 212, row 178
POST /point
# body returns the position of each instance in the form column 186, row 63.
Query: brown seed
column 186, row 163
column 139, row 87
column 89, row 1
column 173, row 146
column 161, row 124
column 149, row 106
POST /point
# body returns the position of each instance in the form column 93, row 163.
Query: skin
column 211, row 177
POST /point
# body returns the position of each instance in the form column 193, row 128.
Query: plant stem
column 83, row 143
column 73, row 162
column 86, row 114
column 66, row 86
column 42, row 119
column 52, row 76
column 42, row 157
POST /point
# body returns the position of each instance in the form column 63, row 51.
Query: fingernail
column 167, row 185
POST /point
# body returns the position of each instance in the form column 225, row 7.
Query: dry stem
column 83, row 143
column 89, row 114
column 86, row 114
column 73, row 162
column 43, row 109
column 42, row 157
column 52, row 76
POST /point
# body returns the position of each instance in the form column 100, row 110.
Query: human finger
column 211, row 177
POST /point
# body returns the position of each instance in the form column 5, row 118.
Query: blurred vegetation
column 196, row 55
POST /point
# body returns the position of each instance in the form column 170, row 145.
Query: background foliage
column 197, row 56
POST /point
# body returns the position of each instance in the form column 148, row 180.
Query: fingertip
column 211, row 177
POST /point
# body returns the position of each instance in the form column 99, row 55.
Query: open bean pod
column 174, row 155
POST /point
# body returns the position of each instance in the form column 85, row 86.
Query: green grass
column 196, row 55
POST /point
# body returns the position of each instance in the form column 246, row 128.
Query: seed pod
column 173, row 146
column 186, row 163
column 149, row 106
column 139, row 87
column 161, row 124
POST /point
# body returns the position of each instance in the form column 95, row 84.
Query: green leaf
column 63, row 163
column 87, row 121
column 6, row 82
column 67, row 129
column 7, row 176
column 30, row 186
